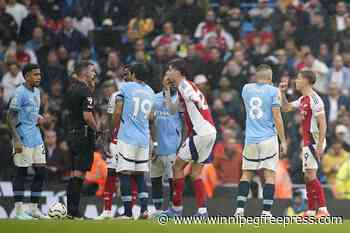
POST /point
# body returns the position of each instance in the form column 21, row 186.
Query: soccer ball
column 57, row 210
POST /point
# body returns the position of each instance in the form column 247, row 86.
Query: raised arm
column 285, row 105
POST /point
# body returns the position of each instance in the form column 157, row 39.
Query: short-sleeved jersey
column 79, row 99
column 168, row 127
column 309, row 107
column 196, row 111
column 138, row 101
column 259, row 99
column 27, row 103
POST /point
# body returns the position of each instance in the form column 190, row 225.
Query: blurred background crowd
column 222, row 40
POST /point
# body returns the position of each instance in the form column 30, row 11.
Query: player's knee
column 246, row 175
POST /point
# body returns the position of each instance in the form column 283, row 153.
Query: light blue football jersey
column 138, row 101
column 168, row 127
column 27, row 103
column 259, row 99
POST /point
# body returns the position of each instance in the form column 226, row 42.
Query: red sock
column 311, row 196
column 178, row 189
column 200, row 193
column 321, row 199
column 133, row 191
column 109, row 191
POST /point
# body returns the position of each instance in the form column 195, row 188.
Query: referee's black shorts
column 81, row 151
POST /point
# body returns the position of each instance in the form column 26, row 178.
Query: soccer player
column 168, row 133
column 82, row 132
column 261, row 149
column 314, row 127
column 201, row 138
column 133, row 109
column 111, row 140
column 29, row 149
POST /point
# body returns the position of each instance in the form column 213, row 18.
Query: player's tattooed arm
column 12, row 119
column 322, row 126
column 276, row 112
column 285, row 105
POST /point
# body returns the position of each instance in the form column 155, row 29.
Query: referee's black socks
column 73, row 195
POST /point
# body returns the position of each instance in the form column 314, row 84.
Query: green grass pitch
column 121, row 226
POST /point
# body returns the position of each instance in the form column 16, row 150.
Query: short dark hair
column 141, row 71
column 309, row 75
column 28, row 68
column 180, row 65
column 81, row 66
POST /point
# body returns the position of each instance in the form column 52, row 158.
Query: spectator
column 17, row 10
column 343, row 38
column 332, row 161
column 70, row 38
column 335, row 104
column 194, row 61
column 58, row 160
column 261, row 15
column 37, row 40
column 30, row 22
column 228, row 163
column 140, row 26
column 203, row 85
column 2, row 105
column 207, row 26
column 186, row 16
column 116, row 10
column 338, row 20
column 342, row 134
column 52, row 70
column 83, row 23
column 214, row 67
column 321, row 70
column 11, row 80
column 8, row 25
column 316, row 34
column 233, row 22
column 339, row 75
column 25, row 55
column 168, row 38
column 224, row 41
column 342, row 186
column 112, row 67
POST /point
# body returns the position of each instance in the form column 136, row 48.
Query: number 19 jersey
column 259, row 99
column 138, row 100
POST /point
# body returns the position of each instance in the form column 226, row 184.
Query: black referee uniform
column 81, row 140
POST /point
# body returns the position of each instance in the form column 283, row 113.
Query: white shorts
column 30, row 156
column 197, row 148
column 262, row 155
column 163, row 166
column 309, row 157
column 112, row 162
column 132, row 157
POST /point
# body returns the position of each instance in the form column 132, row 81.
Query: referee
column 82, row 130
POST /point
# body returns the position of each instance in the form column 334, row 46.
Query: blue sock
column 142, row 191
column 157, row 192
column 268, row 194
column 125, row 188
column 243, row 191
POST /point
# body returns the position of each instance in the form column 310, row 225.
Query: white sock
column 33, row 207
column 265, row 212
column 323, row 209
column 240, row 211
column 311, row 212
column 177, row 208
column 18, row 207
column 202, row 210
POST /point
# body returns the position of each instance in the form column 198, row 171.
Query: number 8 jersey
column 259, row 99
column 138, row 100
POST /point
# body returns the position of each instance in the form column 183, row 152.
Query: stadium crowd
column 222, row 40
